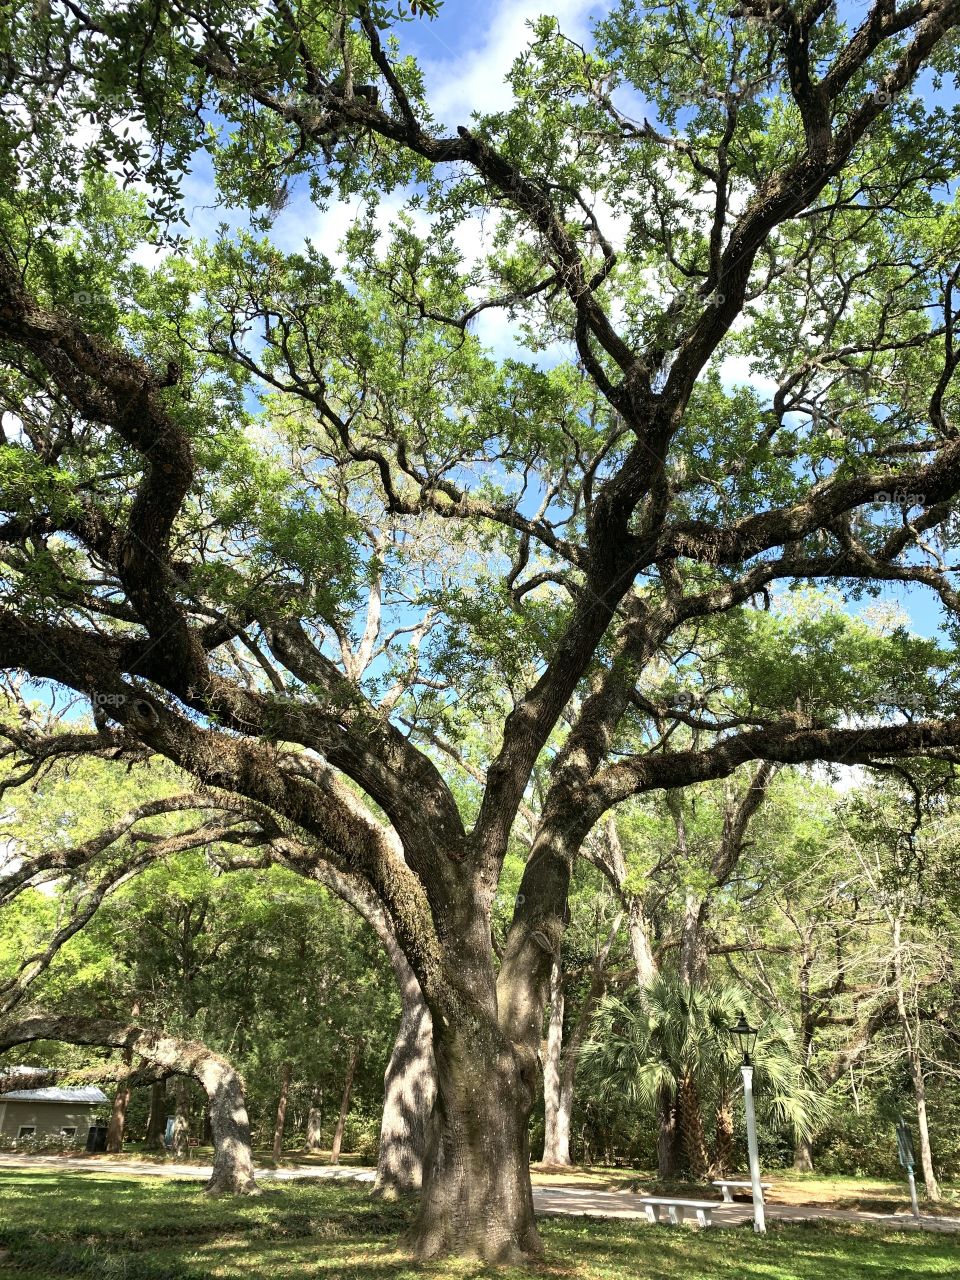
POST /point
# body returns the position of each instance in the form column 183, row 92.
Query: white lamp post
column 747, row 1038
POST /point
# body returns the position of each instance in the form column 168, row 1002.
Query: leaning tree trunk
column 344, row 1105
column 477, row 1199
column 285, row 1073
column 923, row 1132
column 162, row 1055
column 410, row 1088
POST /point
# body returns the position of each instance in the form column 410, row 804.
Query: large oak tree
column 205, row 463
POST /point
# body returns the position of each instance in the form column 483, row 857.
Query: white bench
column 676, row 1209
column 727, row 1186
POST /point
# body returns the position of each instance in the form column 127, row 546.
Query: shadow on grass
column 57, row 1225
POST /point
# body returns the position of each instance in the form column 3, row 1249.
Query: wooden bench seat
column 676, row 1209
column 728, row 1185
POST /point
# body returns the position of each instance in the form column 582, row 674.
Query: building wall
column 48, row 1118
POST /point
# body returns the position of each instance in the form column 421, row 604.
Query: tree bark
column 691, row 1128
column 410, row 1077
column 157, row 1118
column 118, row 1116
column 181, row 1120
column 285, row 1073
column 724, row 1156
column 344, row 1105
column 121, row 1101
column 477, row 1198
column 916, row 1065
column 693, row 949
column 314, row 1139
column 162, row 1055
column 556, row 1120
column 923, row 1131
column 410, row 1088
column 558, row 1112
column 667, row 1135
column 803, row 1155
column 608, row 857
column 803, row 1147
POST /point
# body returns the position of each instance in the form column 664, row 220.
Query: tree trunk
column 118, row 1117
column 121, row 1100
column 166, row 1055
column 691, row 1128
column 610, row 861
column 477, row 1199
column 803, row 1155
column 157, row 1118
column 181, row 1122
column 344, row 1105
column 803, row 1147
column 410, row 1077
column 910, row 1036
column 693, row 951
column 557, row 1126
column 666, row 1135
column 233, row 1157
column 556, row 1120
column 409, row 1091
column 314, row 1140
column 724, row 1159
column 923, row 1132
column 285, row 1073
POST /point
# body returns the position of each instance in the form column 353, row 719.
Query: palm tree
column 669, row 1046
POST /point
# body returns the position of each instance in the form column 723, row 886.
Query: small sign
column 905, row 1144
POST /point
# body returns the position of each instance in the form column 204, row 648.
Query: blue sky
column 465, row 55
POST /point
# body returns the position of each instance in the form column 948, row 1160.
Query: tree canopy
column 282, row 519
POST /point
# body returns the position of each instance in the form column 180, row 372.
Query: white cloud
column 735, row 371
column 474, row 81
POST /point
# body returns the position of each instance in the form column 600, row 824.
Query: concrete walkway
column 575, row 1201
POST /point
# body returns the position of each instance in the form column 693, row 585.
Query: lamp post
column 746, row 1037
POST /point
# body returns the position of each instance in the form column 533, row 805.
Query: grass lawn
column 789, row 1187
column 61, row 1224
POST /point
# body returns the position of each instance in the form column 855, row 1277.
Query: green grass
column 55, row 1225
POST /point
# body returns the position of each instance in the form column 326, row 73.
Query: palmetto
column 669, row 1045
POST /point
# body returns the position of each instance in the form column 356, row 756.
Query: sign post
column 905, row 1153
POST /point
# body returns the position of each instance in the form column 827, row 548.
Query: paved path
column 169, row 1169
column 577, row 1201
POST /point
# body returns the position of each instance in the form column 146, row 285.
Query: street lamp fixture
column 746, row 1038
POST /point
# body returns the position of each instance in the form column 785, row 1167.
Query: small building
column 38, row 1115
